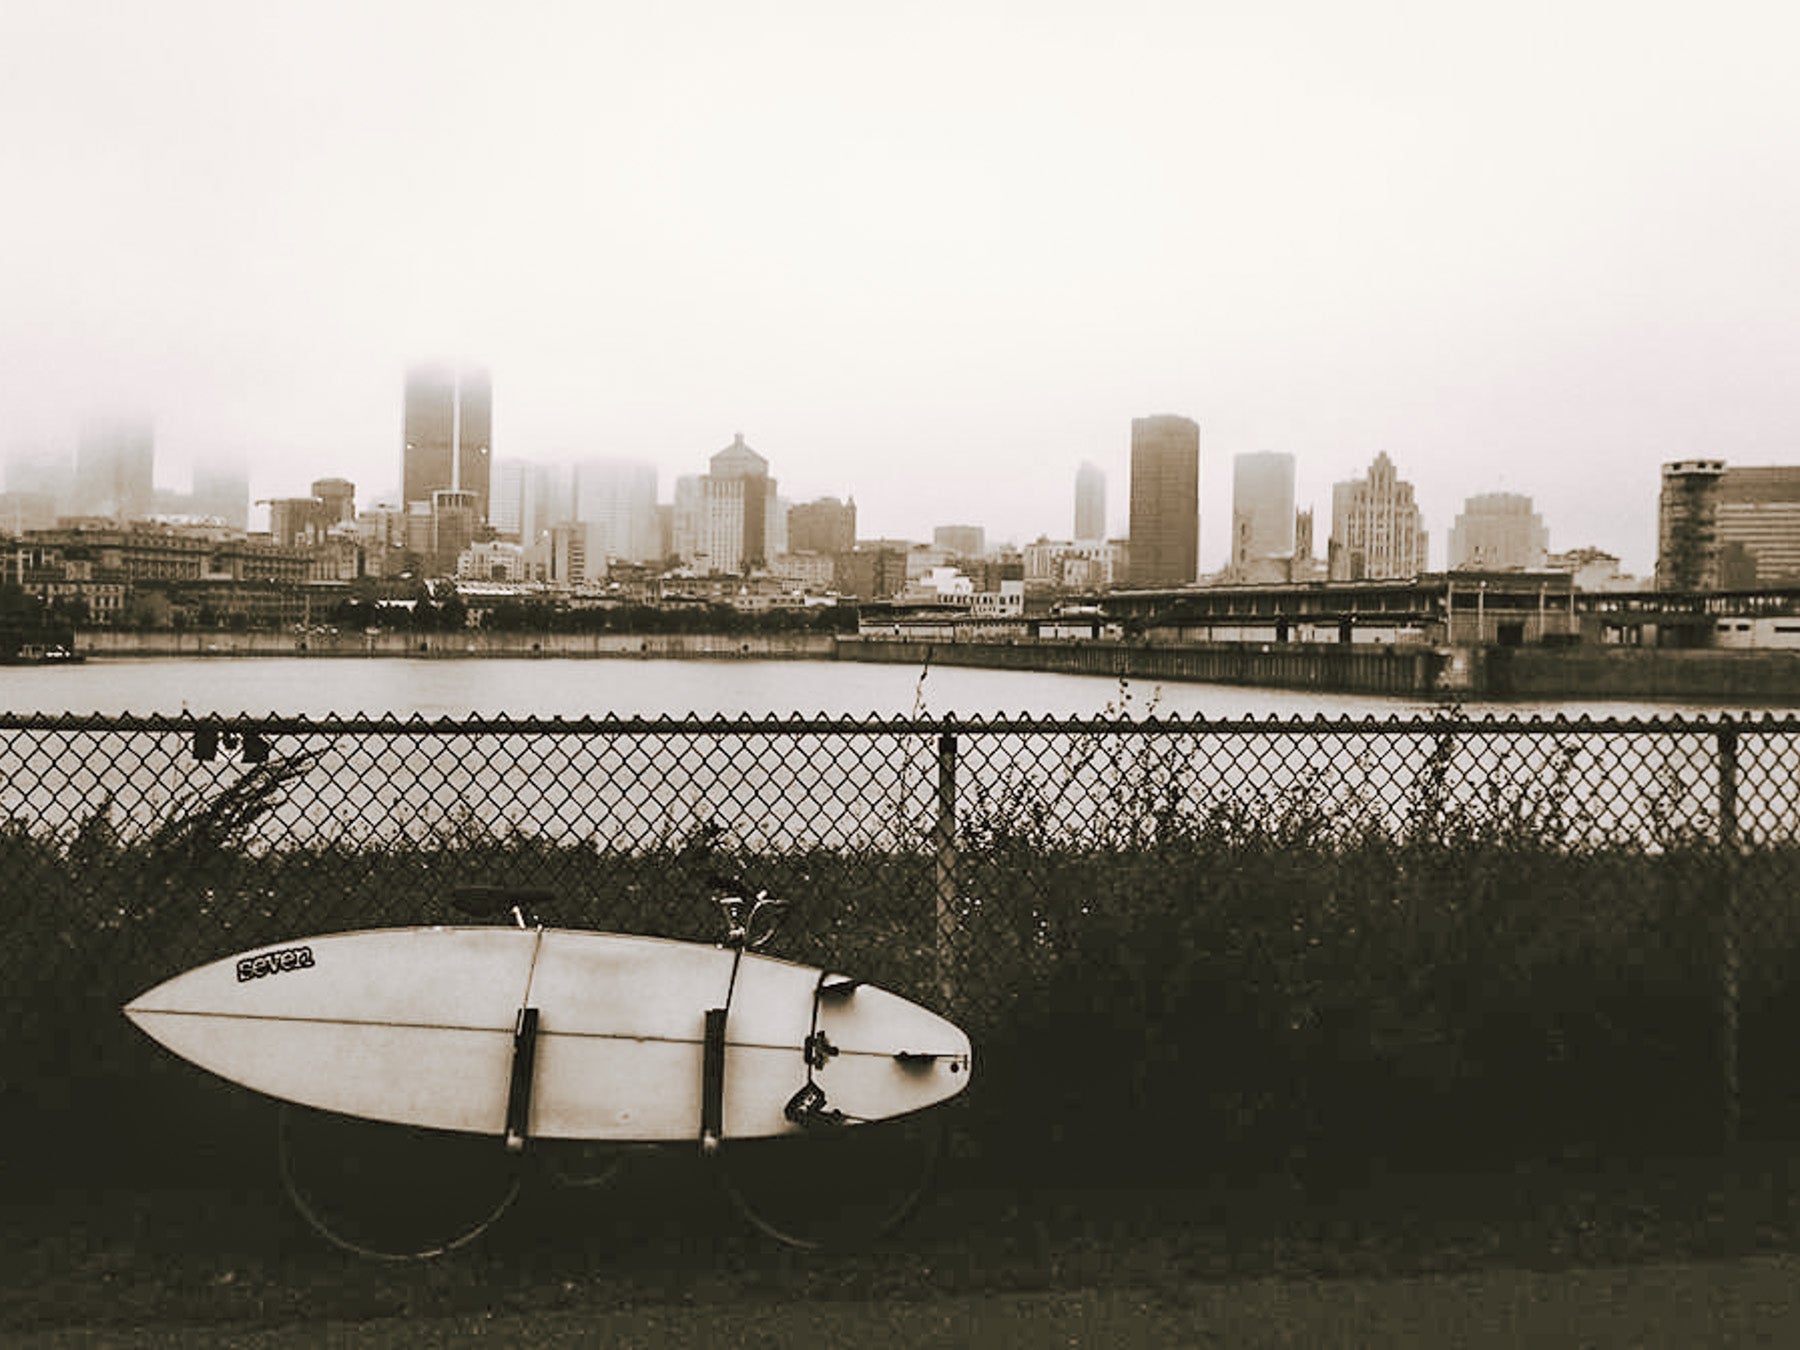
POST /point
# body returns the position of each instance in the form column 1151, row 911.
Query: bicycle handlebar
column 740, row 925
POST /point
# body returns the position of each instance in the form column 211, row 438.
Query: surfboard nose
column 157, row 998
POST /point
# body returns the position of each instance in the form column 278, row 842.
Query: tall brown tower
column 448, row 434
column 1165, row 501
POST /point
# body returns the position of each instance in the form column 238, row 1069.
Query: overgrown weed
column 1158, row 960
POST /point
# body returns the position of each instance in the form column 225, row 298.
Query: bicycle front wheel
column 834, row 1186
column 393, row 1192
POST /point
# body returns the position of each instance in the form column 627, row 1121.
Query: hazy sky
column 932, row 255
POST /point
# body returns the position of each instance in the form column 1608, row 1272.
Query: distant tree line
column 452, row 613
column 416, row 608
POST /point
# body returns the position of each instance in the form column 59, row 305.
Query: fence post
column 944, row 850
column 1728, row 935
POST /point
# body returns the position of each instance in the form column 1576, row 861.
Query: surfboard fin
column 840, row 986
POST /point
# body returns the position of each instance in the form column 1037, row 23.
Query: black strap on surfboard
column 712, row 1081
column 518, row 1095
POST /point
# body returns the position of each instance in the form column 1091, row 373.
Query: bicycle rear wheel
column 834, row 1186
column 392, row 1192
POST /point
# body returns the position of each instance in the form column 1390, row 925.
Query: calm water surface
column 879, row 791
column 579, row 688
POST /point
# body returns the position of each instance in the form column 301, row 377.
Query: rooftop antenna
column 456, row 428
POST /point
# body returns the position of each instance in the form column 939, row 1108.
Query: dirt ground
column 1675, row 1253
column 1751, row 1301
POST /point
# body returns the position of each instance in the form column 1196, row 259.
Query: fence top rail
column 1394, row 724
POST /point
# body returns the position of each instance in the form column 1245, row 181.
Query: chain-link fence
column 1436, row 935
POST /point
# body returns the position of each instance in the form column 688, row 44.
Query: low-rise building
column 491, row 560
column 1073, row 565
column 805, row 571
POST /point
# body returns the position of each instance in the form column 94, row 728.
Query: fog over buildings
column 468, row 514
column 1090, row 502
column 1496, row 531
column 447, row 434
column 1262, row 510
column 1554, row 241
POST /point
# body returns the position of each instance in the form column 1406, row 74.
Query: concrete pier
column 1417, row 671
column 1405, row 671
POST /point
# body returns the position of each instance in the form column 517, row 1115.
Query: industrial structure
column 1687, row 525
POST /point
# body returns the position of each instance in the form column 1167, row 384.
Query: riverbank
column 1744, row 678
column 1749, row 677
column 1461, row 673
column 1388, row 670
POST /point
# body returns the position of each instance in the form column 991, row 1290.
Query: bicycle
column 415, row 1168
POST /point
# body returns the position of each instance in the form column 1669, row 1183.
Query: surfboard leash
column 808, row 1107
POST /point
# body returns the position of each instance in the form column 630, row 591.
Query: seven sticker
column 274, row 963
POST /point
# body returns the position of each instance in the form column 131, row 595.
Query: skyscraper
column 1759, row 526
column 1727, row 528
column 1262, row 510
column 454, row 525
column 337, row 496
column 448, row 434
column 1497, row 531
column 824, row 526
column 297, row 522
column 961, row 541
column 115, row 462
column 1687, row 525
column 222, row 489
column 1090, row 503
column 510, row 498
column 41, row 474
column 1377, row 531
column 616, row 500
column 1165, row 501
column 725, row 518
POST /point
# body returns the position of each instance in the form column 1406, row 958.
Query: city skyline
column 1523, row 248
column 433, row 382
column 1217, row 488
column 618, row 500
column 1720, row 526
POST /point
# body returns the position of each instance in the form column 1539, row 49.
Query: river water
column 492, row 687
column 839, row 789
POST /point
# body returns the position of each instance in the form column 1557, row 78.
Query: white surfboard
column 417, row 1026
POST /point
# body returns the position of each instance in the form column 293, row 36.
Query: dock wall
column 1338, row 669
column 1637, row 672
column 1587, row 671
